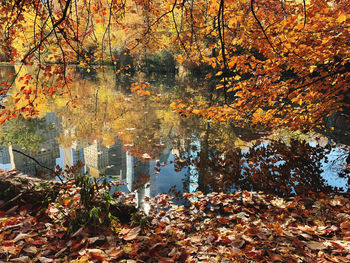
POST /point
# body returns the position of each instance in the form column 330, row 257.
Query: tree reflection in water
column 118, row 125
column 270, row 166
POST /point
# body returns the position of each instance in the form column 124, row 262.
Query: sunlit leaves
column 261, row 58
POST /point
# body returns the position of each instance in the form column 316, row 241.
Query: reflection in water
column 269, row 166
column 35, row 137
column 142, row 142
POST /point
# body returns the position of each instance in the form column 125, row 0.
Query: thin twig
column 262, row 28
column 12, row 200
column 304, row 13
column 58, row 22
column 38, row 163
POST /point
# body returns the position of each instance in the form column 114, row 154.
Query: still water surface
column 154, row 150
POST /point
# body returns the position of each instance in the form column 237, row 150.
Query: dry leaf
column 132, row 234
column 316, row 245
column 31, row 250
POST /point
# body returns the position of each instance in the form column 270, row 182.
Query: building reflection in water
column 115, row 162
column 191, row 164
column 46, row 154
column 4, row 155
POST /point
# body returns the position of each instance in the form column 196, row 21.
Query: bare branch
column 38, row 163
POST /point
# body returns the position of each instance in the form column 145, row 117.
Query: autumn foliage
column 277, row 63
column 265, row 63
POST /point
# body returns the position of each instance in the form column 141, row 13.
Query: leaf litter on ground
column 217, row 227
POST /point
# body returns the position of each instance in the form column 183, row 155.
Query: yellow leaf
column 341, row 18
column 288, row 45
column 299, row 26
column 312, row 68
column 259, row 111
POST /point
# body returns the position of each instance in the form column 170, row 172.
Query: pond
column 141, row 141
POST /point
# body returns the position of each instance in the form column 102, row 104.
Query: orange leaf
column 98, row 257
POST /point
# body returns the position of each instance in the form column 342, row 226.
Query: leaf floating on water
column 146, row 156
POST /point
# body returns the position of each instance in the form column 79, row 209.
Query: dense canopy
column 273, row 62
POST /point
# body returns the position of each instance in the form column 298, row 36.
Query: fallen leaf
column 98, row 257
column 345, row 225
column 45, row 260
column 316, row 245
column 23, row 259
column 13, row 209
column 92, row 240
column 78, row 231
column 31, row 250
column 132, row 233
column 115, row 253
column 275, row 257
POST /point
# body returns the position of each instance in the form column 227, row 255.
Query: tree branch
column 55, row 25
column 38, row 163
column 262, row 28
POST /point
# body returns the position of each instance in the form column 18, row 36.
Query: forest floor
column 239, row 227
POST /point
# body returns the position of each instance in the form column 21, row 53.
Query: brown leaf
column 20, row 236
column 115, row 253
column 346, row 235
column 238, row 243
column 275, row 257
column 165, row 260
column 78, row 231
column 60, row 252
column 46, row 260
column 95, row 250
column 337, row 245
column 172, row 252
column 157, row 246
column 235, row 250
column 132, row 233
column 23, row 259
column 345, row 225
column 31, row 250
column 316, row 245
column 92, row 240
column 124, row 231
column 13, row 209
column 196, row 239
